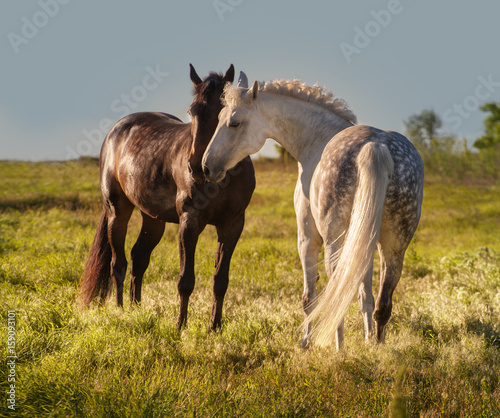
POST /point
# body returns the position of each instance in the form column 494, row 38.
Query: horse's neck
column 302, row 128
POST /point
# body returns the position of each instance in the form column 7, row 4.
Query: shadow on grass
column 488, row 331
column 71, row 202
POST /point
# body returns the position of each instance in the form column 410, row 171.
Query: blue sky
column 71, row 68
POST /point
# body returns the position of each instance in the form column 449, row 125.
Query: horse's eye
column 234, row 124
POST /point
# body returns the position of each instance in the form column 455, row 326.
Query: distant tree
column 442, row 154
column 491, row 127
column 449, row 157
column 423, row 128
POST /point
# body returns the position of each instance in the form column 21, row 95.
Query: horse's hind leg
column 149, row 237
column 391, row 251
column 228, row 235
column 189, row 229
column 367, row 303
column 118, row 218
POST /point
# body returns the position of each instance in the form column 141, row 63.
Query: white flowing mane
column 299, row 90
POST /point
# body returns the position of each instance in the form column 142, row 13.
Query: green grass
column 441, row 358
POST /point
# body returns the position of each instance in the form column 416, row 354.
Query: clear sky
column 70, row 68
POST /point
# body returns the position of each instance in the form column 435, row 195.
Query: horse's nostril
column 206, row 171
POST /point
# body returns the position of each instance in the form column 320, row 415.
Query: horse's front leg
column 332, row 249
column 189, row 230
column 309, row 246
column 227, row 235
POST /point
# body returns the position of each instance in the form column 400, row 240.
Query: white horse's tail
column 355, row 258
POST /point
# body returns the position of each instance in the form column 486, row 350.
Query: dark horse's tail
column 95, row 280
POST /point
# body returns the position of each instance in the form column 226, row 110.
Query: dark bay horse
column 152, row 161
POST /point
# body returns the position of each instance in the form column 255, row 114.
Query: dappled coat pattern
column 359, row 189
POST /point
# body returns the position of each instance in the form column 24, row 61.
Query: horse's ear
column 254, row 89
column 243, row 80
column 229, row 76
column 195, row 78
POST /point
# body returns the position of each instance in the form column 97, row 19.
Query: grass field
column 441, row 358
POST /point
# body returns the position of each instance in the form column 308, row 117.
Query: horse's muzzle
column 213, row 176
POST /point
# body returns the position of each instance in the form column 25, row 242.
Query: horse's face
column 242, row 130
column 204, row 112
